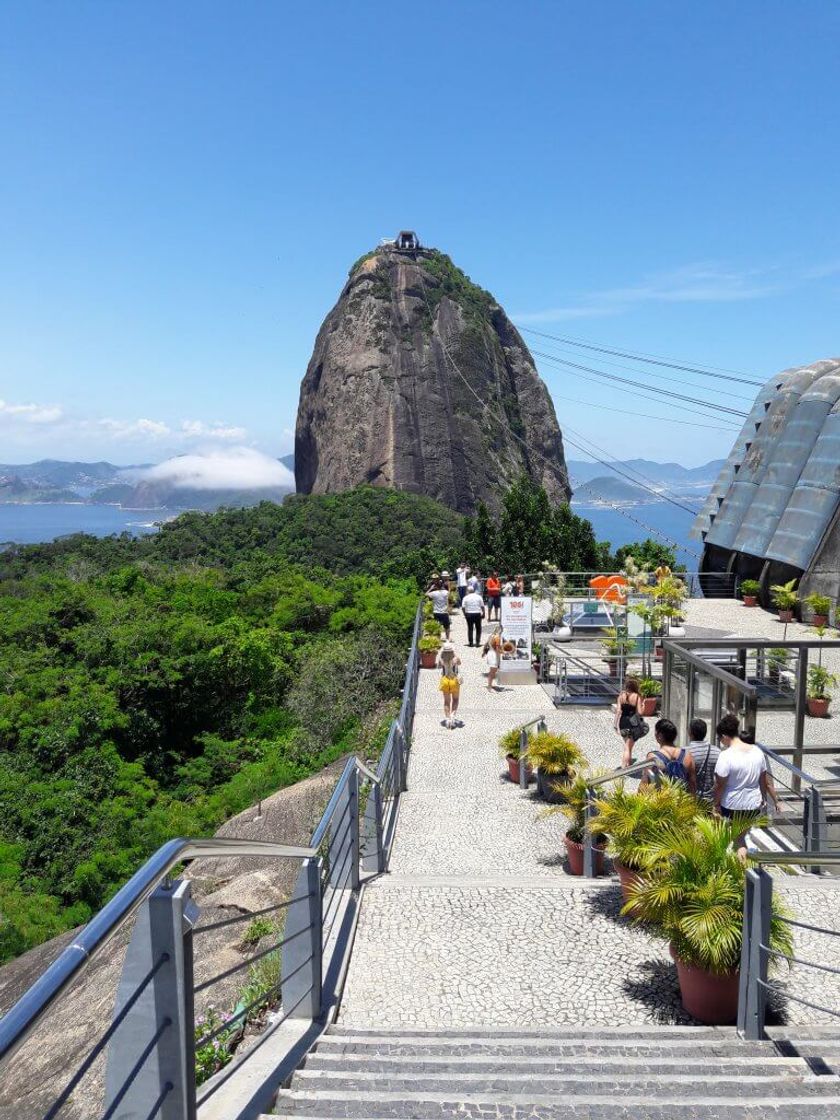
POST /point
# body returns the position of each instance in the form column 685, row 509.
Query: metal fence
column 149, row 1046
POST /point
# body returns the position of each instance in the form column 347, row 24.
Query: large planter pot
column 574, row 851
column 786, row 616
column 428, row 658
column 628, row 878
column 561, row 633
column 612, row 666
column 513, row 769
column 707, row 996
column 818, row 706
column 819, row 620
column 750, row 600
column 649, row 705
column 545, row 784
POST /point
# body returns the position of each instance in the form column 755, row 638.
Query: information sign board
column 517, row 631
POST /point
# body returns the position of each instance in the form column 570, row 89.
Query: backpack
column 674, row 768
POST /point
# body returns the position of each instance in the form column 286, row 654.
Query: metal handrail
column 333, row 803
column 21, row 1019
column 637, row 767
column 784, row 859
column 788, row 765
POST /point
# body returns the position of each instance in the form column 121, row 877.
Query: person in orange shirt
column 493, row 591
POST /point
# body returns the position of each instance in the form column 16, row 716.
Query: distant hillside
column 672, row 476
column 49, row 474
column 163, row 495
column 610, row 489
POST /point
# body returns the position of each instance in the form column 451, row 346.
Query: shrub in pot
column 777, row 661
column 691, row 892
column 555, row 758
column 820, row 606
column 650, row 690
column 820, row 684
column 750, row 590
column 633, row 819
column 616, row 644
column 785, row 599
column 510, row 748
column 429, row 647
column 573, row 807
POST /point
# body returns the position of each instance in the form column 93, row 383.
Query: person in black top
column 628, row 704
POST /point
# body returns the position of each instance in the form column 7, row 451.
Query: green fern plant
column 785, row 597
column 554, row 754
column 692, row 893
column 573, row 807
column 509, row 742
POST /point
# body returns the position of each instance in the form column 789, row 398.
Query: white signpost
column 517, row 639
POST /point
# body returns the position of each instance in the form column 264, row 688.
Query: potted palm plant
column 634, row 819
column 750, row 590
column 429, row 645
column 691, row 891
column 573, row 806
column 616, row 645
column 510, row 748
column 820, row 684
column 650, row 690
column 555, row 758
column 785, row 599
column 820, row 606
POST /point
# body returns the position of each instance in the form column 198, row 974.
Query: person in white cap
column 450, row 682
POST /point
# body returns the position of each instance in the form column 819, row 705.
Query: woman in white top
column 439, row 594
column 742, row 787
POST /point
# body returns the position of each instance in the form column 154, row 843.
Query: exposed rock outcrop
column 420, row 382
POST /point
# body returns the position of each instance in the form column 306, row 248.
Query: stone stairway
column 632, row 1073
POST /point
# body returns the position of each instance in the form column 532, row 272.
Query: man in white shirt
column 741, row 780
column 462, row 574
column 473, row 608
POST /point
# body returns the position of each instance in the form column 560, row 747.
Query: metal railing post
column 746, row 946
column 353, row 826
column 523, row 759
column 164, row 1011
column 300, row 984
column 399, row 760
column 759, row 957
column 799, row 715
column 373, row 852
column 815, row 821
column 588, row 852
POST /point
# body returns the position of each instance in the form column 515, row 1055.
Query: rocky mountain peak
column 420, row 382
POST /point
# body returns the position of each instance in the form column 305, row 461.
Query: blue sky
column 185, row 185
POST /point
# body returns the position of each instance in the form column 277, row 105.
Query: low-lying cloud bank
column 231, row 468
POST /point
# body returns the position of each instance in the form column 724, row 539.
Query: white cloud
column 133, row 429
column 197, row 429
column 30, row 413
column 234, row 468
column 703, row 282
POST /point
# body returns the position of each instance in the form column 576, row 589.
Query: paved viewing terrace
column 478, row 922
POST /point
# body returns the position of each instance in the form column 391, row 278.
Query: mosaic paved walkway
column 478, row 923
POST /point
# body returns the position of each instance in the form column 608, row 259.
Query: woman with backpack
column 450, row 682
column 628, row 718
column 672, row 762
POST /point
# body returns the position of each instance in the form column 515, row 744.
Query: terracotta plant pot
column 649, row 704
column 711, row 998
column 818, row 706
column 627, row 877
column 750, row 600
column 658, row 652
column 545, row 787
column 785, row 616
column 428, row 659
column 612, row 666
column 513, row 769
column 574, row 851
column 819, row 620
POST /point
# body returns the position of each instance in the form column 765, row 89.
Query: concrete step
column 807, row 1101
column 656, row 1031
column 584, row 1048
column 331, row 1065
column 584, row 1083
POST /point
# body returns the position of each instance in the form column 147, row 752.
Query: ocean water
column 637, row 522
column 31, row 524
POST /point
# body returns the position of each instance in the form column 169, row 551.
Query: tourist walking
column 628, row 718
column 439, row 594
column 493, row 657
column 493, row 589
column 519, row 586
column 705, row 755
column 674, row 762
column 507, row 588
column 473, row 608
column 742, row 789
column 461, row 576
column 450, row 682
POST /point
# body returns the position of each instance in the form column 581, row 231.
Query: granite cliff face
column 420, row 382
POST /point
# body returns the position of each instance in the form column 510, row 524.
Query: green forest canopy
column 152, row 687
